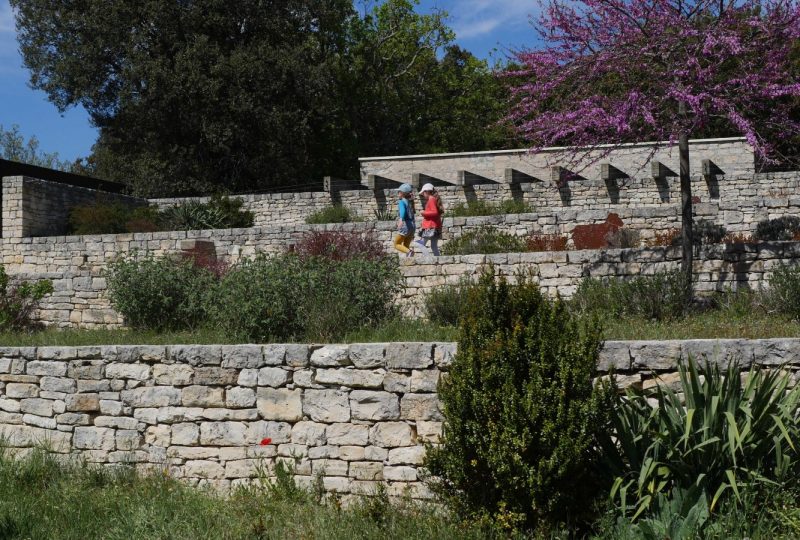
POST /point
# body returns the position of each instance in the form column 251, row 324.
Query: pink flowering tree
column 620, row 71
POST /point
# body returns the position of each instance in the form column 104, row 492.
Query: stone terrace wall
column 731, row 156
column 355, row 415
column 33, row 207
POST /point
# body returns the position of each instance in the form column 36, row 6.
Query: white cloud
column 475, row 18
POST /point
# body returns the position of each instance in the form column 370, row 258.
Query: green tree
column 13, row 147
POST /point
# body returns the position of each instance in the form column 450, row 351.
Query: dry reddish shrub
column 666, row 238
column 738, row 238
column 340, row 246
column 547, row 242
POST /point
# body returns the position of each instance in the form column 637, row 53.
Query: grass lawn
column 710, row 325
column 40, row 498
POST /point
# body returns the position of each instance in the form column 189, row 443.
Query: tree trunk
column 686, row 210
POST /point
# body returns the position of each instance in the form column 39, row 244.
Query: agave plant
column 725, row 435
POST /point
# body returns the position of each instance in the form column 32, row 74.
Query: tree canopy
column 14, row 147
column 209, row 95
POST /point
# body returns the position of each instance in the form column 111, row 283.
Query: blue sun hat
column 405, row 188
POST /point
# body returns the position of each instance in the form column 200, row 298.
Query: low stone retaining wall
column 354, row 415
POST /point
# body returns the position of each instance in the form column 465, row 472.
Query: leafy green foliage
column 522, row 417
column 313, row 298
column 159, row 293
column 782, row 228
column 443, row 305
column 484, row 240
column 218, row 213
column 485, row 208
column 722, row 437
column 660, row 296
column 335, row 213
column 18, row 300
column 13, row 147
column 783, row 293
column 707, row 232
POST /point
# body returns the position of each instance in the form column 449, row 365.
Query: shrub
column 547, row 242
column 335, row 213
column 738, row 238
column 483, row 241
column 99, row 218
column 443, row 305
column 522, row 417
column 623, row 238
column 159, row 293
column 707, row 232
column 669, row 237
column 217, row 213
column 315, row 298
column 720, row 438
column 384, row 214
column 782, row 228
column 782, row 295
column 18, row 300
column 143, row 219
column 485, row 208
column 340, row 245
column 660, row 296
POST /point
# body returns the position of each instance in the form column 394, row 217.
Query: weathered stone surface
column 400, row 474
column 297, row 355
column 111, row 407
column 223, row 433
column 275, row 354
column 719, row 351
column 138, row 372
column 173, row 374
column 326, row 405
column 185, row 434
column 309, row 433
column 9, row 405
column 214, row 376
column 21, row 436
column 424, row 380
column 368, row 355
column 366, row 470
column 616, row 355
column 273, row 376
column 248, row 377
column 397, row 382
column 196, row 355
column 420, row 407
column 202, row 396
column 392, row 434
column 151, row 396
column 239, row 398
column 21, row 390
column 127, row 439
column 203, row 469
column 150, row 354
column 429, row 431
column 409, row 355
column 352, row 378
column 158, row 436
column 443, row 354
column 49, row 368
column 369, row 405
column 654, row 355
column 242, row 356
column 83, row 402
column 347, row 434
column 280, row 404
column 37, row 406
column 57, row 384
column 329, row 467
column 331, row 355
column 39, row 421
column 409, row 455
column 276, row 432
column 94, row 438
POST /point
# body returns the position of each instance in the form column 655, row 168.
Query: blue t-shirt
column 406, row 214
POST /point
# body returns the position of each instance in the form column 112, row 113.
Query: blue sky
column 488, row 28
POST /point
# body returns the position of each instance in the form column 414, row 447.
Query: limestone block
column 94, row 438
column 329, row 467
column 370, row 405
column 21, row 390
column 248, row 377
column 196, row 355
column 71, row 418
column 409, row 455
column 616, row 355
column 297, row 355
column 201, row 468
column 173, row 374
column 336, row 484
column 429, row 431
column 309, row 433
column 9, row 405
column 242, row 356
column 326, row 406
column 121, row 422
column 223, row 433
column 331, row 355
column 138, row 372
column 202, row 396
column 722, row 351
column 83, row 402
column 214, row 376
column 409, row 355
column 397, row 382
column 151, row 396
column 367, row 355
column 94, row 386
column 654, row 355
column 280, row 404
column 230, row 414
column 400, row 474
column 424, row 380
column 110, row 407
column 420, row 407
column 127, row 439
column 65, row 353
column 49, row 368
column 273, row 376
column 39, row 421
column 22, row 436
column 352, row 453
column 443, row 354
column 151, row 354
column 239, row 398
column 241, row 468
column 158, row 436
column 366, row 470
column 277, row 432
column 774, row 352
column 274, row 354
column 323, row 452
column 185, row 434
column 352, row 378
column 392, row 434
column 37, row 406
column 87, row 371
column 295, row 451
column 57, row 384
column 170, row 415
column 346, row 434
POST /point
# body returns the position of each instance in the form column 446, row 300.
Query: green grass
column 41, row 498
column 710, row 325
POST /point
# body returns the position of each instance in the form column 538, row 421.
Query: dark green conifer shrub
column 522, row 416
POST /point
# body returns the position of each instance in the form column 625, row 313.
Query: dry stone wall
column 353, row 415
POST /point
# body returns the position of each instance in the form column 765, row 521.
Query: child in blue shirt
column 405, row 220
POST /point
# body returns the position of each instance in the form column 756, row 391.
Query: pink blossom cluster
column 616, row 71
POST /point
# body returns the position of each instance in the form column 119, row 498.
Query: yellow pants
column 402, row 243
